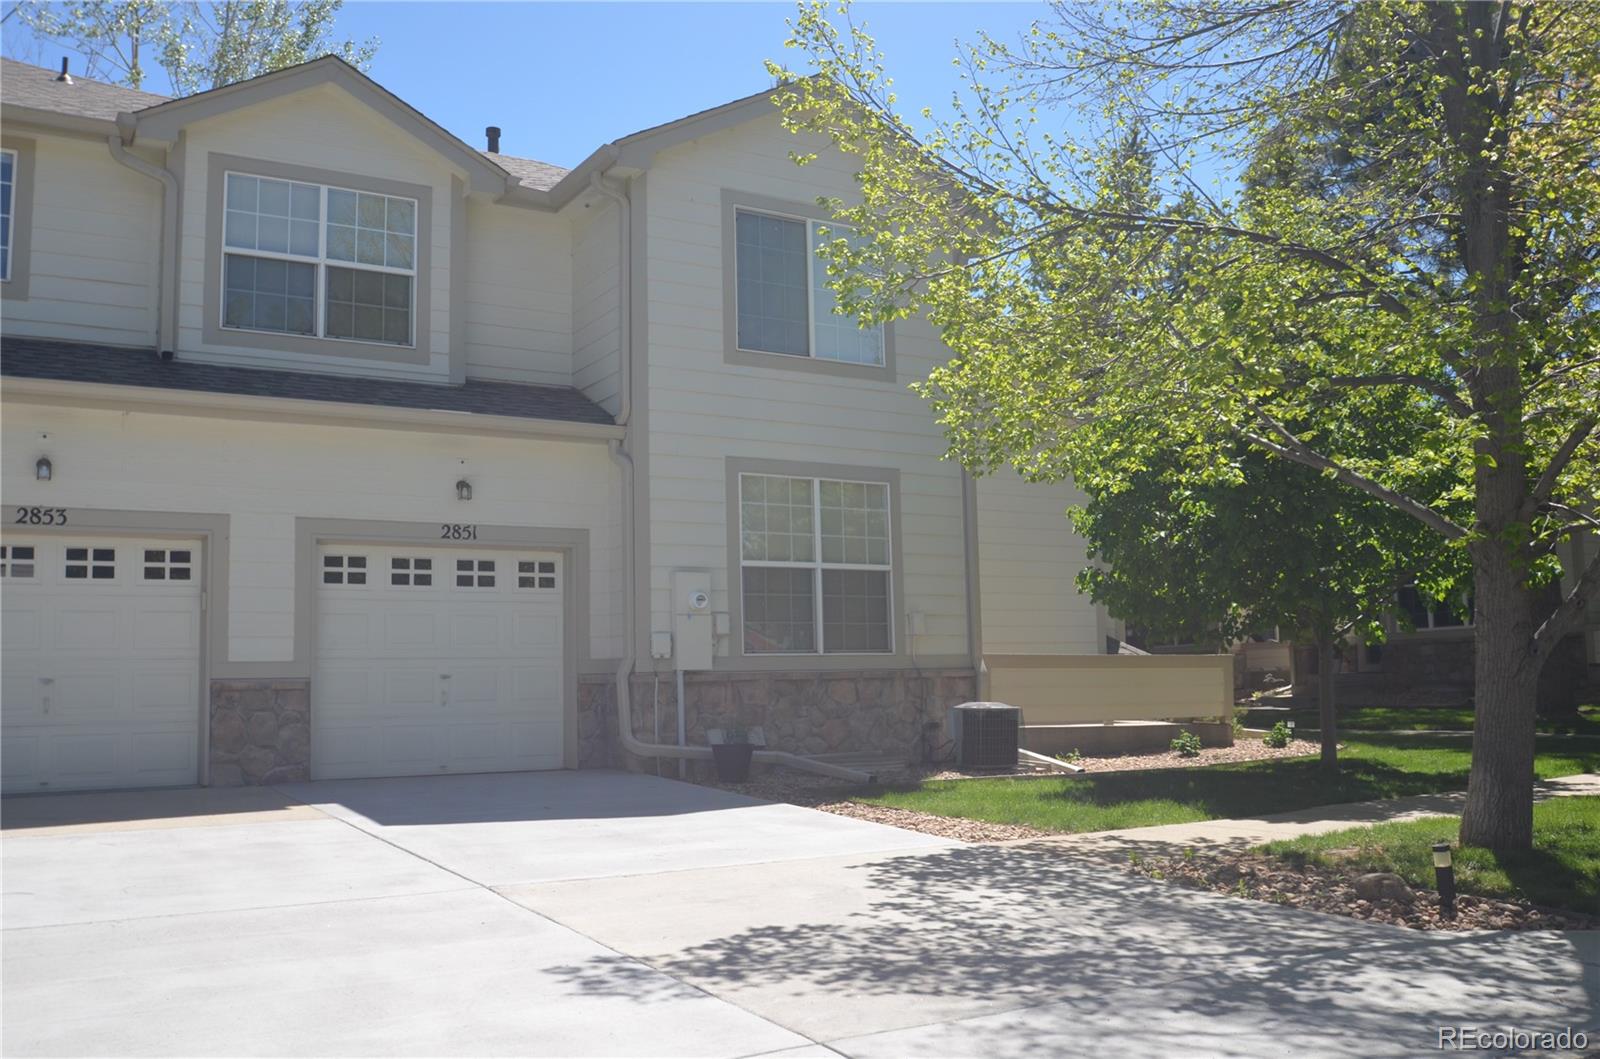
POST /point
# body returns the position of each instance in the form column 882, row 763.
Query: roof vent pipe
column 63, row 76
column 493, row 132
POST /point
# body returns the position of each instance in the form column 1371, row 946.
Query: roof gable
column 164, row 120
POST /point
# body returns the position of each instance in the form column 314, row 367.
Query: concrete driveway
column 604, row 913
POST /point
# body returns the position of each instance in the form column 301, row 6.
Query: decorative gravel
column 954, row 827
column 1241, row 750
column 1332, row 891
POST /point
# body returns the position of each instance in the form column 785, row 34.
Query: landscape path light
column 1444, row 874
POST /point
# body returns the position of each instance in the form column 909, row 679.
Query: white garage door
column 435, row 660
column 101, row 663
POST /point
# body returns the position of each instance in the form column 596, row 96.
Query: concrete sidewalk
column 1222, row 835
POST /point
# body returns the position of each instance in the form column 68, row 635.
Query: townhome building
column 335, row 446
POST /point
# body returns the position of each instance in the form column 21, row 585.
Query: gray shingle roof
column 541, row 176
column 32, row 358
column 27, row 85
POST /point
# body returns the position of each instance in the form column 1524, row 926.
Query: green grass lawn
column 1373, row 767
column 1436, row 718
column 1561, row 871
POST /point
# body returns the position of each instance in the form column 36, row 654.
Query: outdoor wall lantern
column 42, row 469
column 1445, row 875
column 463, row 490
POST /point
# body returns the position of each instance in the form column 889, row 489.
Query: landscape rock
column 1382, row 886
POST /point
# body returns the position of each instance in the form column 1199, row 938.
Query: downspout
column 969, row 535
column 621, row 454
column 167, row 284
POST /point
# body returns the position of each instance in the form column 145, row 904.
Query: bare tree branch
column 1546, row 485
column 1292, row 448
column 1567, row 618
column 1442, row 390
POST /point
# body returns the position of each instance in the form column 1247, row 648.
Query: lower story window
column 1435, row 614
column 815, row 565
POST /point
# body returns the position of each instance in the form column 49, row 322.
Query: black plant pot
column 733, row 761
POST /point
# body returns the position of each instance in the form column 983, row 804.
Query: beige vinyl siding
column 518, row 295
column 1028, row 558
column 95, row 260
column 703, row 410
column 1087, row 689
column 265, row 474
column 320, row 128
column 596, row 298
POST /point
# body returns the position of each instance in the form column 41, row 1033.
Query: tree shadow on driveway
column 979, row 930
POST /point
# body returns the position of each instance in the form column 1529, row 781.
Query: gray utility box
column 985, row 734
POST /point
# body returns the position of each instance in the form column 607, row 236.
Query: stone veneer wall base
column 260, row 732
column 898, row 714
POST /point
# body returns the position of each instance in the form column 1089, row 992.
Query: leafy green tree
column 199, row 45
column 1442, row 270
column 1214, row 559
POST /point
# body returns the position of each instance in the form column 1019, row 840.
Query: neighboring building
column 336, row 447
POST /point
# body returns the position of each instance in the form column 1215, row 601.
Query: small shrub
column 1187, row 745
column 1278, row 737
column 1072, row 757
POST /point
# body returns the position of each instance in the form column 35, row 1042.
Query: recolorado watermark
column 1504, row 1038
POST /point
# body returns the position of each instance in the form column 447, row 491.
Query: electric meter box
column 692, row 620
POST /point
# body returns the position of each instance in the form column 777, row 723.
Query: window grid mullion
column 816, row 557
column 10, row 211
column 317, row 302
column 811, row 294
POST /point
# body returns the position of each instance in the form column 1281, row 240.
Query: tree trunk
column 1499, row 809
column 1326, row 717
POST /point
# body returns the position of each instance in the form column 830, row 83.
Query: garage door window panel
column 90, row 564
column 411, row 571
column 475, row 573
column 533, row 573
column 18, row 562
column 344, row 569
column 168, row 564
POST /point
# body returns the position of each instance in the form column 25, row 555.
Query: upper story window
column 310, row 259
column 8, row 186
column 784, row 304
column 815, row 564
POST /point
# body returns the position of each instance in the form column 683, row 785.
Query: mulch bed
column 1331, row 890
column 1247, row 875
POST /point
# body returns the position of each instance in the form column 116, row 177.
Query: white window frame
column 817, row 565
column 11, row 214
column 811, row 225
column 322, row 262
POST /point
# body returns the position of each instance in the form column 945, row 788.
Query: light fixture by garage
column 42, row 469
column 463, row 489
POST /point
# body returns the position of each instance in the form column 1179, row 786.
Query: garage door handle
column 46, row 681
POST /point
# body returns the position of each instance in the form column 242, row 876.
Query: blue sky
column 563, row 78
